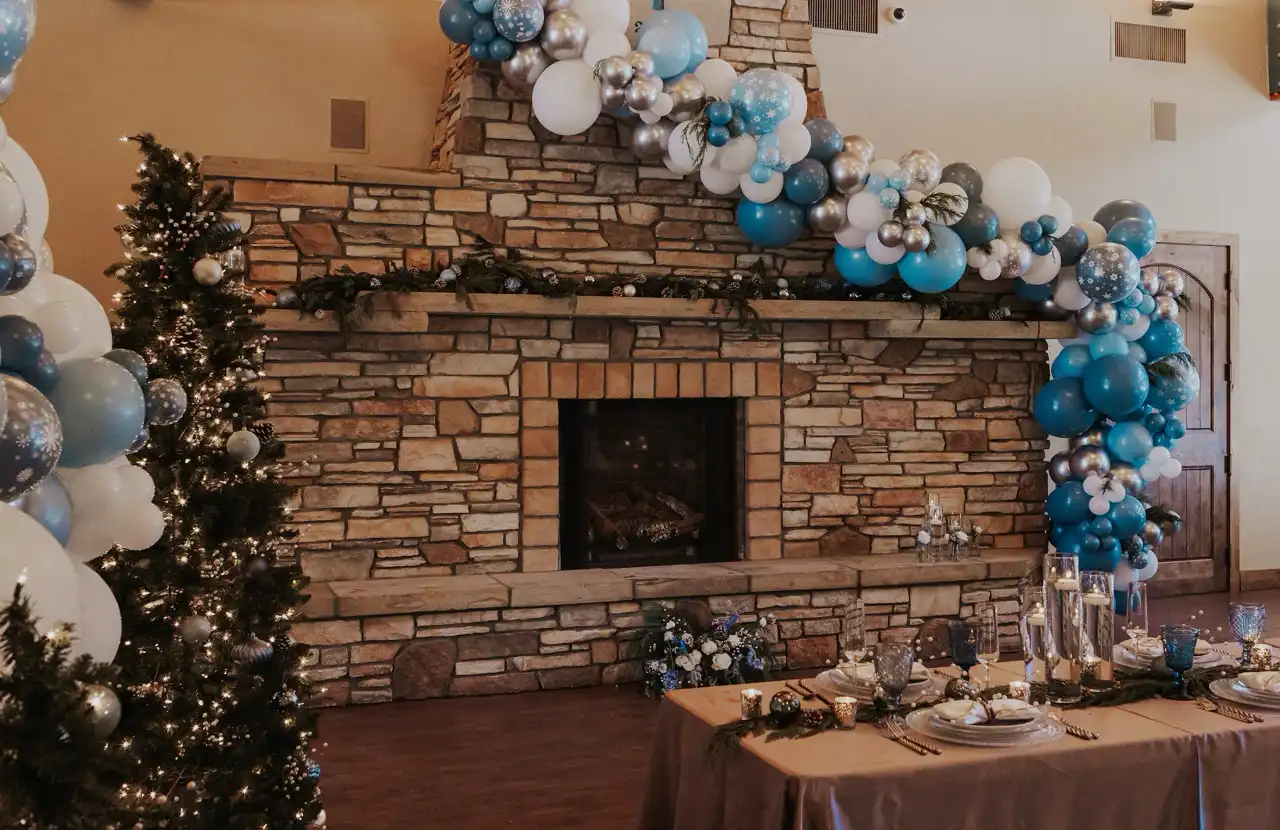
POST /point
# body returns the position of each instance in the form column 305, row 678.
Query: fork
column 1226, row 711
column 1076, row 731
column 888, row 733
column 900, row 728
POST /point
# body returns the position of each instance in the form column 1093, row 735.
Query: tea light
column 1067, row 583
column 846, row 711
column 1036, row 615
column 1020, row 690
column 752, row 703
column 1097, row 599
column 1260, row 657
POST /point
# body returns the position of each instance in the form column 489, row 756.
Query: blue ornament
column 1049, row 224
column 890, row 198
column 807, row 181
column 1031, row 232
column 166, row 402
column 720, row 113
column 876, row 182
column 501, row 49
column 760, row 173
column 1135, row 234
column 978, row 226
column 668, row 46
column 773, row 225
column 1071, row 361
column 1113, row 212
column 17, row 24
column 1127, row 517
column 1116, row 384
column 718, row 136
column 1061, row 408
column 939, row 270
column 101, row 407
column 825, row 140
column 1107, row 272
column 479, row 51
column 313, row 770
column 1101, row 345
column 49, row 504
column 763, row 98
column 859, row 269
column 1068, row 503
column 1072, row 245
column 483, row 31
column 1032, row 293
column 1162, row 338
column 458, row 21
column 1129, row 441
column 30, row 441
column 21, row 343
column 1175, row 382
column 899, row 180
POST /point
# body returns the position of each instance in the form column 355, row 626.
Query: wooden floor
column 539, row 761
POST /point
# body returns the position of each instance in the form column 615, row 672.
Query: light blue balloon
column 937, row 271
column 890, row 198
column 519, row 20
column 1138, row 235
column 773, row 225
column 876, row 182
column 1147, row 304
column 858, row 268
column 1071, row 362
column 688, row 24
column 102, row 410
column 457, row 21
column 763, row 98
column 1116, row 384
column 669, row 48
column 1130, row 441
column 760, row 172
column 1137, row 353
column 17, row 24
column 49, row 505
column 1102, row 345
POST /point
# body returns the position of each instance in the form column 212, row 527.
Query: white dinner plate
column 921, row 720
column 1225, row 688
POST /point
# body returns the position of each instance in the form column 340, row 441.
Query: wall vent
column 1151, row 43
column 861, row 16
column 348, row 121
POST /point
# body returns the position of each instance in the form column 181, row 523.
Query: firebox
column 649, row 482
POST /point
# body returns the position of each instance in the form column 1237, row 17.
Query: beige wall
column 224, row 77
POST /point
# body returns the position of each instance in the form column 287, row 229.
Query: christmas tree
column 57, row 769
column 210, row 679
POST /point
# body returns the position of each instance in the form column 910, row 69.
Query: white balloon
column 62, row 325
column 98, row 631
column 27, row 175
column 799, row 101
column 761, row 193
column 664, row 105
column 1017, row 189
column 718, row 77
column 95, row 327
column 794, row 141
column 1067, row 293
column 1151, row 472
column 1171, row 468
column 1153, row 565
column 976, row 258
column 915, row 196
column 4, row 134
column 1096, row 233
column 50, row 581
column 680, row 148
column 566, row 97
column 881, row 253
column 738, row 155
column 13, row 304
column 142, row 529
column 1060, row 210
column 12, row 208
column 718, row 181
column 885, row 167
column 1115, row 492
column 1094, row 485
column 999, row 248
column 135, row 483
column 37, row 291
column 1134, row 331
column 1044, row 268
column 990, row 270
column 851, row 237
column 960, row 201
column 1099, row 506
column 866, row 212
column 649, row 116
column 603, row 44
column 1159, row 455
column 603, row 15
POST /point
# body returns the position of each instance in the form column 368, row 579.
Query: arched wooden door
column 1198, row 559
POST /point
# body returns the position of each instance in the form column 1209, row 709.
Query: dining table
column 1156, row 764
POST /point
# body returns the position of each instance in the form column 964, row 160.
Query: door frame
column 1231, row 242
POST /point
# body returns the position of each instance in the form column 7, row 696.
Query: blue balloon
column 484, row 6
column 501, row 49
column 1071, row 361
column 807, row 181
column 1137, row 353
column 760, row 173
column 49, row 505
column 479, row 51
column 978, row 226
column 1056, row 532
column 1116, row 384
column 1113, row 212
column 1091, row 542
column 1104, row 559
column 21, row 343
column 1103, row 345
column 1034, row 293
column 858, row 268
column 1072, row 540
column 669, row 47
column 1042, row 246
column 935, row 272
column 1127, row 517
column 44, row 374
column 1135, row 234
column 720, row 113
column 773, row 225
column 457, row 21
column 691, row 25
column 763, row 98
column 1048, row 223
column 101, row 407
column 1156, row 422
column 1061, row 408
column 737, row 126
column 1147, row 304
column 1129, row 441
column 1072, row 245
column 876, row 182
column 1068, row 503
column 825, row 140
column 17, row 23
column 890, row 198
column 1174, row 428
column 1175, row 382
column 718, row 136
column 30, row 439
column 1107, row 272
column 1162, row 338
column 1101, row 526
column 519, row 20
column 483, row 31
column 1031, row 231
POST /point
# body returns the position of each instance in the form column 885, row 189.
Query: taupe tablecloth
column 1159, row 765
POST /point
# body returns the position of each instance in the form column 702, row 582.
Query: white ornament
column 207, row 271
column 243, row 445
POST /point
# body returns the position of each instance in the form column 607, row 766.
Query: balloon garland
column 1114, row 389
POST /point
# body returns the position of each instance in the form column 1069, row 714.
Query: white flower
column 735, row 640
column 671, row 624
column 923, row 537
column 687, row 637
column 721, row 661
column 685, row 662
column 654, row 667
column 695, row 657
column 961, row 537
column 669, row 637
column 977, row 530
column 709, row 647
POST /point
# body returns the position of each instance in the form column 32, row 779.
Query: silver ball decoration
column 1095, row 437
column 1060, row 468
column 649, row 141
column 628, row 290
column 104, row 709
column 195, row 630
column 915, row 214
column 523, row 69
column 564, row 35
column 1172, row 282
column 612, row 97
column 923, row 170
column 1152, row 534
column 1097, row 318
column 1166, row 308
column 643, row 92
column 207, row 271
column 1087, row 461
column 243, row 445
column 688, row 96
column 1128, row 477
column 860, row 147
column 827, row 214
column 1050, row 309
column 1018, row 258
column 642, row 63
column 890, row 233
column 252, row 650
column 616, row 71
column 1150, row 282
column 916, row 238
column 849, row 173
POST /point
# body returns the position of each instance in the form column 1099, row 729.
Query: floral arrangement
column 686, row 648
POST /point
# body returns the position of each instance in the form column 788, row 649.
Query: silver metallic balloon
column 104, row 709
column 616, row 71
column 1152, row 534
column 916, row 238
column 1050, row 310
column 890, row 233
column 522, row 69
column 1095, row 437
column 1060, row 468
column 6, row 86
column 1172, row 282
column 564, row 35
column 923, row 169
column 826, row 215
column 1090, row 461
column 612, row 97
column 642, row 63
column 558, row 5
column 1097, row 318
column 1166, row 308
column 915, row 214
column 649, row 141
column 1018, row 260
column 849, row 172
column 688, row 96
column 643, row 91
column 1150, row 283
column 1128, row 477
column 860, row 147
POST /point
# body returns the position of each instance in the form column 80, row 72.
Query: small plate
column 836, row 681
column 1048, row 729
column 1224, row 688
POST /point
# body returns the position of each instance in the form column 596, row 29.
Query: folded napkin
column 1153, row 647
column 972, row 712
column 1262, row 681
column 866, row 672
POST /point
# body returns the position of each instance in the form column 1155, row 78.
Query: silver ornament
column 916, row 238
column 523, row 69
column 1152, row 534
column 6, row 86
column 104, row 709
column 649, row 141
column 688, row 96
column 849, row 172
column 1017, row 260
column 1172, row 282
column 860, row 147
column 827, row 214
column 1090, row 461
column 1097, row 318
column 923, row 170
column 564, row 35
column 890, row 233
column 628, row 290
column 1128, row 477
column 643, row 92
column 915, row 214
column 243, row 445
column 1150, row 281
column 1166, row 308
column 207, row 271
column 1095, row 437
column 642, row 63
column 612, row 97
column 1060, row 468
column 252, row 650
column 615, row 71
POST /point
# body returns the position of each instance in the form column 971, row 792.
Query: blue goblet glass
column 964, row 645
column 1179, row 652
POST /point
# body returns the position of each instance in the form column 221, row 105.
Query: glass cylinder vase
column 1097, row 628
column 1031, row 623
column 1062, row 631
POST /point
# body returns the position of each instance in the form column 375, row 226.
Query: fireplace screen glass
column 648, row 482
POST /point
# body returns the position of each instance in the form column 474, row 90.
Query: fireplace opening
column 649, row 482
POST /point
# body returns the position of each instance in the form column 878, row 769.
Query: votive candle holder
column 846, row 711
column 752, row 703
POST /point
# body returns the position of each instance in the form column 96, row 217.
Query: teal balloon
column 1104, row 345
column 859, row 269
column 1106, row 558
column 978, row 226
column 458, row 21
column 807, row 181
column 49, row 504
column 1116, row 384
column 825, row 141
column 718, row 136
column 479, row 51
column 1127, row 517
column 1112, row 213
column 939, row 270
column 773, row 225
column 669, row 47
column 1073, row 539
column 1061, row 408
column 501, row 49
column 484, row 6
column 1072, row 245
column 1137, row 353
column 21, row 342
column 1108, row 272
column 1175, row 382
column 1068, row 503
column 17, row 24
column 101, row 407
column 1130, row 441
column 483, row 31
column 1033, row 293
column 1101, row 526
column 1071, row 361
column 1137, row 235
column 1162, row 338
column 519, row 20
column 720, row 113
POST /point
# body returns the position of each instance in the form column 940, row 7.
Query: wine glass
column 1179, row 652
column 1135, row 617
column 964, row 644
column 854, row 632
column 1248, row 619
column 988, row 631
column 893, row 662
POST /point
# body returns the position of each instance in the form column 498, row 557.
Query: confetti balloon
column 31, row 441
column 1108, row 272
column 763, row 98
column 521, row 20
column 17, row 24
